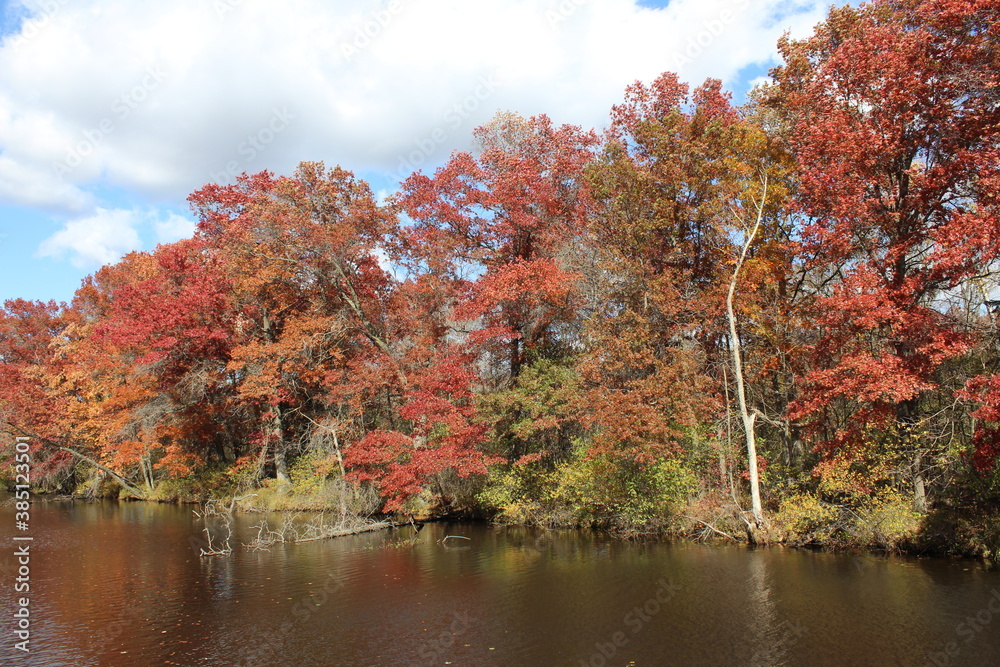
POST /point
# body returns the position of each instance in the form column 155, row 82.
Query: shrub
column 597, row 491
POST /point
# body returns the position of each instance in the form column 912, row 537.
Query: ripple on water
column 122, row 584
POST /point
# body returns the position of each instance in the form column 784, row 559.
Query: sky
column 113, row 111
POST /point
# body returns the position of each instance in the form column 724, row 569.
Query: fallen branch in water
column 209, row 510
column 343, row 532
column 290, row 532
column 457, row 537
column 266, row 537
column 711, row 527
column 134, row 490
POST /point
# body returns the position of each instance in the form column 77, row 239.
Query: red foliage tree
column 327, row 342
column 896, row 127
column 28, row 332
column 502, row 225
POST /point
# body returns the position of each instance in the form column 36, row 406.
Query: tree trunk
column 725, row 450
column 138, row 493
column 919, row 487
column 515, row 358
column 280, row 464
column 146, row 465
column 906, row 419
column 748, row 418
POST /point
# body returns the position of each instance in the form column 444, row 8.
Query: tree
column 329, row 347
column 508, row 216
column 28, row 331
column 309, row 297
column 896, row 125
column 749, row 419
column 660, row 243
column 680, row 173
column 143, row 365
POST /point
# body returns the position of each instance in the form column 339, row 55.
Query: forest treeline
column 546, row 329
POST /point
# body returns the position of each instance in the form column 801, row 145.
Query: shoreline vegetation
column 307, row 517
column 772, row 323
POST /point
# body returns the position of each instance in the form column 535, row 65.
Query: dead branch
column 711, row 527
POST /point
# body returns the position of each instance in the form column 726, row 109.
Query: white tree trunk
column 748, row 418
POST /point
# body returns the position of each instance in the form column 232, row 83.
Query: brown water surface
column 122, row 584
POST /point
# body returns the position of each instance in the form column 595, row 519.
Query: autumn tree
column 680, row 180
column 306, row 289
column 896, row 123
column 330, row 350
column 28, row 332
column 501, row 225
column 143, row 364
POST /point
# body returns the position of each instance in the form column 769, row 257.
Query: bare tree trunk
column 138, row 493
column 919, row 486
column 336, row 450
column 748, row 418
column 725, row 475
column 906, row 420
column 146, row 465
column 280, row 464
column 342, row 482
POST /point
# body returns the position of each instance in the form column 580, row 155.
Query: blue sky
column 113, row 111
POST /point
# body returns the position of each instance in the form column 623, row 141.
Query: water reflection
column 121, row 584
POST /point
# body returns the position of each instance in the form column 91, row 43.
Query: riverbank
column 944, row 532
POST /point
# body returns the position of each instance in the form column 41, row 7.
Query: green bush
column 803, row 519
column 597, row 491
column 886, row 520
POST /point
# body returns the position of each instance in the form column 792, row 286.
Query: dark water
column 122, row 584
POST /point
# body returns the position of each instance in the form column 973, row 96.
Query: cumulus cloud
column 107, row 235
column 25, row 185
column 173, row 228
column 90, row 242
column 162, row 96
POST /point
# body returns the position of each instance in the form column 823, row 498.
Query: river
column 123, row 584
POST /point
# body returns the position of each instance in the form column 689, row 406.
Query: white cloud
column 96, row 240
column 173, row 228
column 108, row 234
column 760, row 81
column 159, row 97
column 26, row 186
